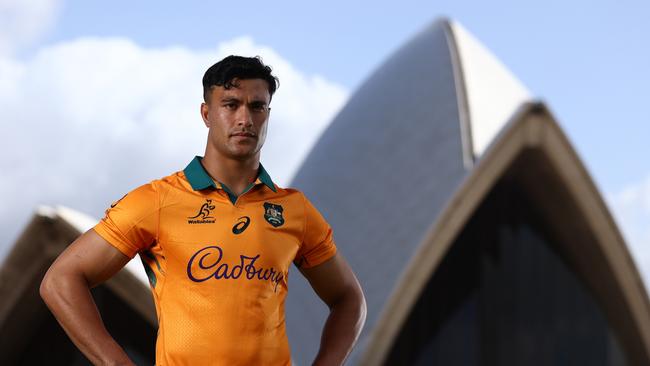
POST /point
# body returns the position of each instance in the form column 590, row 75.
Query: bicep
column 332, row 279
column 92, row 257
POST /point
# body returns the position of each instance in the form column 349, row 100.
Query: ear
column 204, row 114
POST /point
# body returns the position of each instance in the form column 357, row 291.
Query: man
column 217, row 240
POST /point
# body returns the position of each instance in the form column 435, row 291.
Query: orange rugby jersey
column 218, row 264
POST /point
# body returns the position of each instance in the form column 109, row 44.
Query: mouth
column 244, row 134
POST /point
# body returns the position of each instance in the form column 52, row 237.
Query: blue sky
column 586, row 59
column 589, row 60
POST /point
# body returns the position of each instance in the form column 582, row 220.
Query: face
column 237, row 118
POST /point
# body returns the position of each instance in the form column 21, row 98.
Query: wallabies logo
column 273, row 214
column 203, row 216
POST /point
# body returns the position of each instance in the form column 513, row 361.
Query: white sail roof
column 493, row 93
column 83, row 223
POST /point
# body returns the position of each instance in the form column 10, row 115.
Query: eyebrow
column 258, row 102
column 237, row 100
column 230, row 99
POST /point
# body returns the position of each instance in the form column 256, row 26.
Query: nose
column 244, row 116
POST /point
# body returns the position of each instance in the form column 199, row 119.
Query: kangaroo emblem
column 204, row 211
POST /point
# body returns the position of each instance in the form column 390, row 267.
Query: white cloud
column 87, row 120
column 24, row 21
column 631, row 207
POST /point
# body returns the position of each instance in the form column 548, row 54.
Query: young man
column 217, row 240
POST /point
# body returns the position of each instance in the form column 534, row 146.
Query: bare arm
column 86, row 263
column 338, row 287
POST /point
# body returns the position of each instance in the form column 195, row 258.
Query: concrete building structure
column 476, row 232
column 29, row 333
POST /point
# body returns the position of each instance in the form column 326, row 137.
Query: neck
column 236, row 174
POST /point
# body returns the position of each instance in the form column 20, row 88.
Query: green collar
column 200, row 179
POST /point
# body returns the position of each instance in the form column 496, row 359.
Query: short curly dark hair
column 237, row 67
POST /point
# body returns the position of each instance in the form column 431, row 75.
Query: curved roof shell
column 533, row 151
column 22, row 311
column 391, row 164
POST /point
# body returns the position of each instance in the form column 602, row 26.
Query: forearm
column 342, row 329
column 69, row 299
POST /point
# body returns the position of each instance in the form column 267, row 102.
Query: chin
column 242, row 155
column 241, row 151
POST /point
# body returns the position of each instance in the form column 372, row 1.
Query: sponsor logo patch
column 204, row 214
column 273, row 214
column 241, row 225
column 206, row 264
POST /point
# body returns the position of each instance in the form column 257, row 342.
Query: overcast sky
column 97, row 98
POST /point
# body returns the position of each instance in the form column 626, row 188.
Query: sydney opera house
column 477, row 233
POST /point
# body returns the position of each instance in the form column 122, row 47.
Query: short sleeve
column 318, row 244
column 131, row 223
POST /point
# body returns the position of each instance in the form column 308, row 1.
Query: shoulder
column 298, row 199
column 174, row 180
column 153, row 190
column 164, row 185
column 292, row 195
column 289, row 192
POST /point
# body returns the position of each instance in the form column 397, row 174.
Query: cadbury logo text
column 206, row 264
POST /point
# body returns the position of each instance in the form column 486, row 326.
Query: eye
column 230, row 106
column 259, row 107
